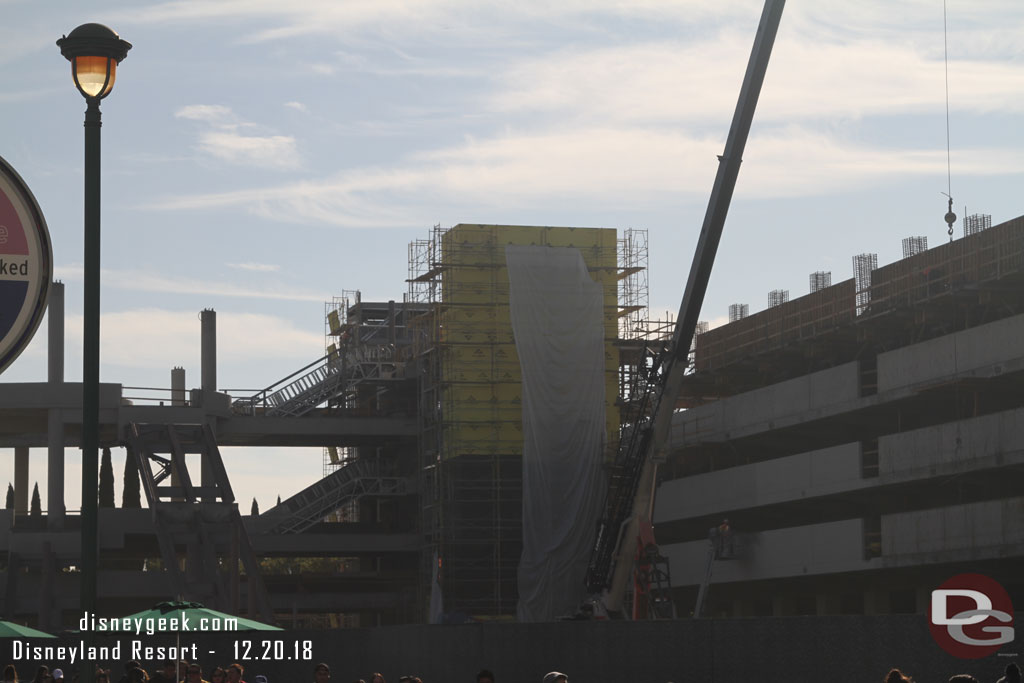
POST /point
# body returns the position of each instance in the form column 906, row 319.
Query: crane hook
column 950, row 218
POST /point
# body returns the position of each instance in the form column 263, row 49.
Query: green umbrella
column 183, row 617
column 11, row 630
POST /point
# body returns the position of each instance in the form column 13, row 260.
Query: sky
column 261, row 157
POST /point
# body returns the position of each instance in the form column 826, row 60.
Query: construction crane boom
column 630, row 499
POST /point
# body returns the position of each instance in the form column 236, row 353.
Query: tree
column 10, row 496
column 255, row 512
column 37, row 506
column 106, row 481
column 279, row 499
column 131, row 494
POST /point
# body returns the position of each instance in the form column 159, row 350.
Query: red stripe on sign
column 12, row 234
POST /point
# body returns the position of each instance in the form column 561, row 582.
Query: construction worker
column 725, row 539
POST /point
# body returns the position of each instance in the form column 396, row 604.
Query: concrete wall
column 976, row 443
column 989, row 441
column 956, row 533
column 997, row 343
column 796, row 400
column 806, row 475
column 766, row 650
column 798, row 551
column 987, row 350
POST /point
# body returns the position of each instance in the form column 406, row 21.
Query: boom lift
column 630, row 499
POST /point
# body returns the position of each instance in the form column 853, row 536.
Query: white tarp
column 557, row 314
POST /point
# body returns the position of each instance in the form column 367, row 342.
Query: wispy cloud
column 297, row 106
column 223, row 140
column 322, row 68
column 25, row 95
column 257, row 267
column 621, row 167
column 144, row 281
column 153, row 337
column 273, row 151
column 806, row 80
column 451, row 19
column 213, row 113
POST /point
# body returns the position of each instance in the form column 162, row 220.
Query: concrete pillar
column 55, row 470
column 876, row 602
column 233, row 571
column 781, row 607
column 177, row 399
column 250, row 591
column 55, row 329
column 826, row 604
column 208, row 372
column 46, row 589
column 923, row 599
column 54, row 418
column 209, row 349
column 193, row 563
column 391, row 323
column 21, row 479
column 177, row 386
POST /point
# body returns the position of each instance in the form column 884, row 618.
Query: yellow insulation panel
column 481, row 380
column 334, row 322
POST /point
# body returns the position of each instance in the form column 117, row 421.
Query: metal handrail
column 260, row 397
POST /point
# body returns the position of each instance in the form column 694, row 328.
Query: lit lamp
column 94, row 52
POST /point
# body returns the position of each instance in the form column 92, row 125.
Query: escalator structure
column 358, row 477
column 328, row 380
column 199, row 529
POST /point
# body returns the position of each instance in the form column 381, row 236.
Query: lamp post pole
column 94, row 52
column 91, row 358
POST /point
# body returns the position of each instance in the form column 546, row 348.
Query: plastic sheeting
column 557, row 315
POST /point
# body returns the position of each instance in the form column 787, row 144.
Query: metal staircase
column 623, row 481
column 198, row 523
column 360, row 477
column 322, row 381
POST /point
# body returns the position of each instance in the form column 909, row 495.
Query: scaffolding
column 738, row 312
column 984, row 265
column 633, row 285
column 336, row 315
column 912, row 246
column 470, row 414
column 863, row 265
column 367, row 344
column 820, row 280
column 777, row 297
column 976, row 222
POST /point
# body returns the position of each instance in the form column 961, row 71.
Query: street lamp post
column 94, row 52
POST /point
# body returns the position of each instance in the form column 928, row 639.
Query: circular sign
column 971, row 616
column 26, row 265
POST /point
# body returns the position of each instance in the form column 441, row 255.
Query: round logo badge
column 970, row 616
column 26, row 265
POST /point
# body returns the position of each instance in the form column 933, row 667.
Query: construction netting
column 556, row 311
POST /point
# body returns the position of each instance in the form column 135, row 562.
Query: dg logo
column 970, row 616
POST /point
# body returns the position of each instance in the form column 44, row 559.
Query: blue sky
column 260, row 156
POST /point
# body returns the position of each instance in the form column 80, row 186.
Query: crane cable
column 950, row 217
